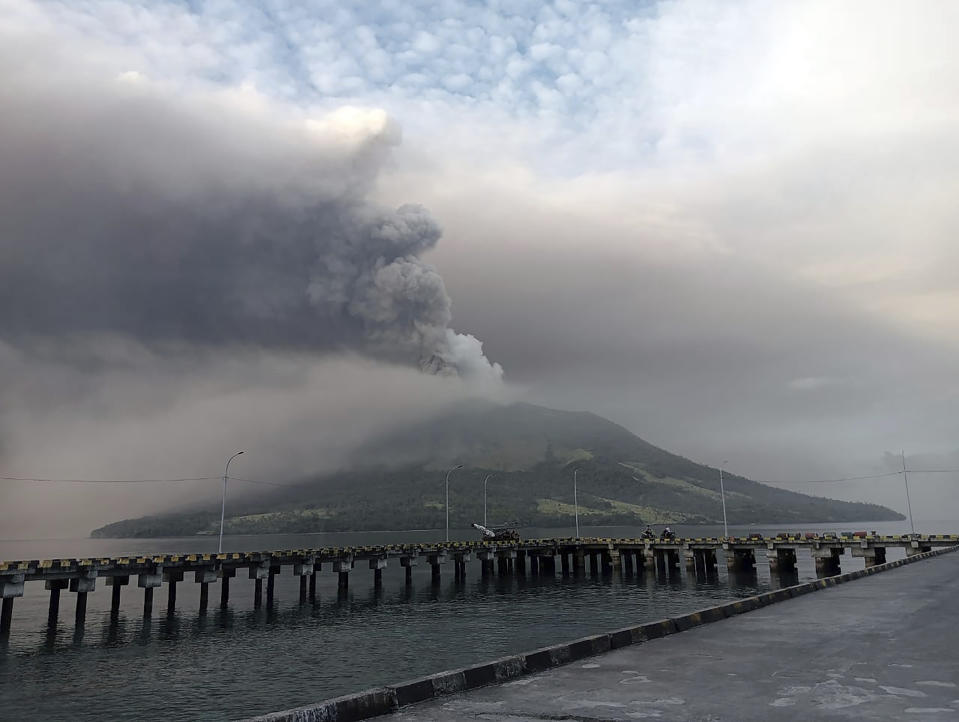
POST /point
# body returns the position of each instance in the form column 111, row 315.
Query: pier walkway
column 533, row 556
column 884, row 647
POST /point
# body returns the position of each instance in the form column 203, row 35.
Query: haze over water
column 241, row 661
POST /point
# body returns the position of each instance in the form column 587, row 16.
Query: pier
column 880, row 648
column 534, row 557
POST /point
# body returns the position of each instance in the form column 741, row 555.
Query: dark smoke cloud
column 208, row 218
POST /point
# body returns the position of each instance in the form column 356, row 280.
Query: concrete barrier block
column 364, row 705
column 510, row 668
column 416, row 690
column 741, row 606
column 635, row 635
column 621, row 638
column 436, row 685
column 688, row 621
column 713, row 614
column 350, row 708
column 480, row 675
column 655, row 630
column 448, row 683
column 548, row 657
column 590, row 646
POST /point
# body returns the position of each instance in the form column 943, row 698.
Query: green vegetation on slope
column 531, row 451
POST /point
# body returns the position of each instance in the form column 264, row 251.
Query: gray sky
column 729, row 226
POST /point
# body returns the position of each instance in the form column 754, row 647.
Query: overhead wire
column 107, row 481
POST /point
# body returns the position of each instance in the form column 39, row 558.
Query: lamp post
column 722, row 493
column 576, row 502
column 448, row 499
column 905, row 478
column 226, row 472
column 485, row 482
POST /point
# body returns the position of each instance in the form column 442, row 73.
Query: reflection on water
column 239, row 661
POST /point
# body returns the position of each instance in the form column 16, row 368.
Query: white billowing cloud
column 729, row 225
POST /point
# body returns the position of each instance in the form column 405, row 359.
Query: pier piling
column 81, row 612
column 226, row 573
column 271, row 585
column 172, row 576
column 6, row 616
column 54, row 585
column 117, row 583
column 204, row 577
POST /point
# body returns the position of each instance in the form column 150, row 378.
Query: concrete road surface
column 884, row 647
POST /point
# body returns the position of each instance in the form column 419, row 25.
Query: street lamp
column 226, row 472
column 722, row 492
column 485, row 482
column 448, row 499
column 576, row 502
column 905, row 478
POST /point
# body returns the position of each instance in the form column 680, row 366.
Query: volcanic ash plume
column 212, row 218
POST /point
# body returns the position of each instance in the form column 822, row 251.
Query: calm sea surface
column 240, row 662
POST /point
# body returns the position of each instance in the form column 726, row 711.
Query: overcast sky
column 730, row 226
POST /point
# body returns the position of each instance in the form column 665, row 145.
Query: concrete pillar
column 606, row 561
column 172, row 576
column 740, row 559
column 11, row 587
column 303, row 570
column 204, row 577
column 521, row 563
column 171, row 598
column 258, row 573
column 148, row 582
column 226, row 575
column 650, row 559
column 579, row 561
column 313, row 586
column 6, row 616
column 81, row 611
column 660, row 559
column 117, row 583
column 378, row 565
column 54, row 585
column 342, row 567
column 271, row 585
column 82, row 585
column 408, row 563
column 781, row 560
column 708, row 560
column 626, row 561
column 614, row 558
column 486, row 562
column 689, row 559
column 827, row 560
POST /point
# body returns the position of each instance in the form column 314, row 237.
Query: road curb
column 383, row 700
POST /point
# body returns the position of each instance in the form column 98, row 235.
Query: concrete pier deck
column 884, row 647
